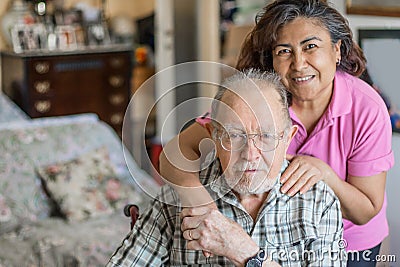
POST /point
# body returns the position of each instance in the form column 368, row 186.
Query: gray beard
column 245, row 186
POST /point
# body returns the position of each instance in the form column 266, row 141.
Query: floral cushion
column 84, row 187
column 8, row 222
column 27, row 145
column 25, row 225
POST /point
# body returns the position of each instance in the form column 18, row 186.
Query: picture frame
column 65, row 37
column 379, row 46
column 98, row 35
column 389, row 8
column 28, row 38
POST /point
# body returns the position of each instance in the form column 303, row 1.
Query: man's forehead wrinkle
column 239, row 115
column 227, row 111
column 249, row 101
column 258, row 106
column 245, row 92
column 259, row 98
column 251, row 94
column 239, row 127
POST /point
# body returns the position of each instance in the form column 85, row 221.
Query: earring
column 338, row 62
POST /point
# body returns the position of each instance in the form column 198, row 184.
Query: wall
column 131, row 8
column 358, row 21
column 392, row 190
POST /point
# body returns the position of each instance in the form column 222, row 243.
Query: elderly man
column 255, row 224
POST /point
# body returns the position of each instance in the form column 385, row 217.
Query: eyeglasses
column 236, row 140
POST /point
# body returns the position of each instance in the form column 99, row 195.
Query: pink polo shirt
column 353, row 136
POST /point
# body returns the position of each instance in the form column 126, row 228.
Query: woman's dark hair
column 256, row 51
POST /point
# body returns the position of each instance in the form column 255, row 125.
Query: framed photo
column 390, row 8
column 27, row 38
column 65, row 37
column 98, row 35
column 380, row 46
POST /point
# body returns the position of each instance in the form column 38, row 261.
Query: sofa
column 63, row 184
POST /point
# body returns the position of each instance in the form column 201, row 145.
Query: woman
column 344, row 135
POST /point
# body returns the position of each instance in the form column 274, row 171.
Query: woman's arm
column 180, row 164
column 361, row 198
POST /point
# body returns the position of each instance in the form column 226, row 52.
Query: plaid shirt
column 295, row 231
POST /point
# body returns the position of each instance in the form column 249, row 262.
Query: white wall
column 358, row 21
column 393, row 197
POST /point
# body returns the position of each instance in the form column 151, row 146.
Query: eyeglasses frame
column 277, row 137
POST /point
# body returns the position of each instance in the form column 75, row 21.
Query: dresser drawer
column 118, row 62
column 65, row 84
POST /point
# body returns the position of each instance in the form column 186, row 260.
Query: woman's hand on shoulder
column 302, row 173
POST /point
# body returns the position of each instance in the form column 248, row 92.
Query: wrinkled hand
column 302, row 173
column 209, row 230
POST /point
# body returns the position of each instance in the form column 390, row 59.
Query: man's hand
column 303, row 172
column 209, row 230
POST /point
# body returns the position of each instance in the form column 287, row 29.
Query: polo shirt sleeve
column 372, row 149
column 204, row 119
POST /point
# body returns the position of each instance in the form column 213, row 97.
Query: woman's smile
column 304, row 79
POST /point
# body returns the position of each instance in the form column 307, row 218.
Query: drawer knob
column 116, row 62
column 42, row 87
column 116, row 81
column 117, row 99
column 43, row 106
column 116, row 118
column 42, row 67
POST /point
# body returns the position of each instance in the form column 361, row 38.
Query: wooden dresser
column 54, row 84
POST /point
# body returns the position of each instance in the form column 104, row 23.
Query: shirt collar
column 341, row 101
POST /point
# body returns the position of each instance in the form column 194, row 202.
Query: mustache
column 250, row 166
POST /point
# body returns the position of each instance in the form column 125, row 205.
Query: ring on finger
column 190, row 235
